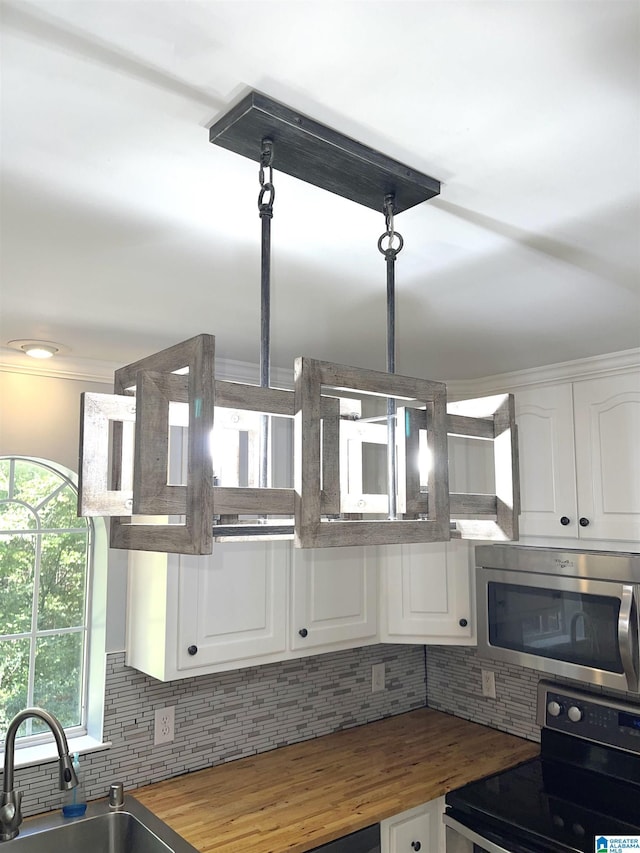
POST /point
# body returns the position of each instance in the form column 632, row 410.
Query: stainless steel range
column 583, row 789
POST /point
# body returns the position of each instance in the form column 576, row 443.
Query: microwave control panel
column 592, row 716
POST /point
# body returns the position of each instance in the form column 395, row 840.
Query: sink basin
column 129, row 829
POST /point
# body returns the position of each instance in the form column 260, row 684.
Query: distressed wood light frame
column 493, row 517
column 477, row 516
column 97, row 412
column 150, row 377
column 311, row 531
column 139, row 468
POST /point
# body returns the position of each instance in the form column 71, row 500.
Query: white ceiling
column 125, row 230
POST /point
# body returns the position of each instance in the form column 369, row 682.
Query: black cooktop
column 549, row 806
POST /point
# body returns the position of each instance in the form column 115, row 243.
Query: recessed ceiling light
column 37, row 349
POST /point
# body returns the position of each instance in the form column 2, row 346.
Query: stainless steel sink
column 130, row 829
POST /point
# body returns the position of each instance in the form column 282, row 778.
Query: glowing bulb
column 40, row 350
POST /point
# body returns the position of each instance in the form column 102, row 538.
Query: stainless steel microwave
column 569, row 613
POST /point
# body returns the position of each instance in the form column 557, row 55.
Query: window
column 45, row 574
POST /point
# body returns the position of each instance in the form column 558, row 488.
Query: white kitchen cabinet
column 579, row 448
column 232, row 605
column 418, row 829
column 427, row 593
column 334, row 597
column 245, row 605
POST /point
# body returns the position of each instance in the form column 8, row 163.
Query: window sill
column 44, row 753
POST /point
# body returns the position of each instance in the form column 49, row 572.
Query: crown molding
column 566, row 371
column 90, row 370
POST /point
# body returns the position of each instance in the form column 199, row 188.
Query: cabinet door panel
column 607, row 425
column 334, row 596
column 419, row 828
column 428, row 591
column 233, row 603
column 547, row 464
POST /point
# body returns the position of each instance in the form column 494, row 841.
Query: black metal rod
column 265, row 297
column 265, row 335
column 390, row 255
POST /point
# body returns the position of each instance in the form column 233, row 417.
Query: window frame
column 87, row 736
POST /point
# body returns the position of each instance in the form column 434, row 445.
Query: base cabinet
column 418, row 829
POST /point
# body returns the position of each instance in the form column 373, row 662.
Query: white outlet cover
column 378, row 682
column 164, row 725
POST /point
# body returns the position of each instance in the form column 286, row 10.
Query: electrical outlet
column 488, row 683
column 164, row 729
column 377, row 678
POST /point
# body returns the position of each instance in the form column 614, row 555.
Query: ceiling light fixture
column 40, row 350
column 36, row 349
column 343, row 416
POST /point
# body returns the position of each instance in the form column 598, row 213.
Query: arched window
column 45, row 578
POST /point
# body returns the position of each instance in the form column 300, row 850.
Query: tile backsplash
column 454, row 685
column 222, row 717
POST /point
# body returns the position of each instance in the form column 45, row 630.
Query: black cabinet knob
column 584, row 522
column 303, row 632
column 462, row 623
column 193, row 650
column 416, row 845
column 565, row 520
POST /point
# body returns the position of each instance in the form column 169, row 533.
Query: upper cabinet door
column 334, row 597
column 233, row 604
column 607, row 429
column 547, row 462
column 427, row 593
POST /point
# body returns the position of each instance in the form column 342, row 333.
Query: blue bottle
column 75, row 800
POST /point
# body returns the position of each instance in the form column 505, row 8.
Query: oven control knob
column 554, row 708
column 575, row 714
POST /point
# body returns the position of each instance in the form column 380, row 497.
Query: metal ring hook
column 391, row 235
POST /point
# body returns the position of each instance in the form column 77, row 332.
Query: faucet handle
column 116, row 795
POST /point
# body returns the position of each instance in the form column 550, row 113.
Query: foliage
column 43, row 568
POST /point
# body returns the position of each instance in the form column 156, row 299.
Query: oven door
column 465, row 839
column 573, row 627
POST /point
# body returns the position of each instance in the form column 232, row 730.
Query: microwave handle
column 626, row 637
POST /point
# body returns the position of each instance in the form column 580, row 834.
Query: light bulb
column 36, row 350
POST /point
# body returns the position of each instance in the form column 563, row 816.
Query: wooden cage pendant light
column 156, row 480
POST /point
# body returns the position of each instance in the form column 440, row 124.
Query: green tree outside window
column 44, row 569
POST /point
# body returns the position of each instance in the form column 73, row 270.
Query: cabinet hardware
column 416, row 845
column 193, row 650
column 303, row 632
column 584, row 522
column 463, row 623
column 565, row 520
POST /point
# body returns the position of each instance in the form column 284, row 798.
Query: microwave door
column 567, row 626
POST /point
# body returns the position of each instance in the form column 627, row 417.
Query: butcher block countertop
column 292, row 799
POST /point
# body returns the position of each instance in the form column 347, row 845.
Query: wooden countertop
column 297, row 797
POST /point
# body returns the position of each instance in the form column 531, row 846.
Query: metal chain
column 266, row 187
column 390, row 233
